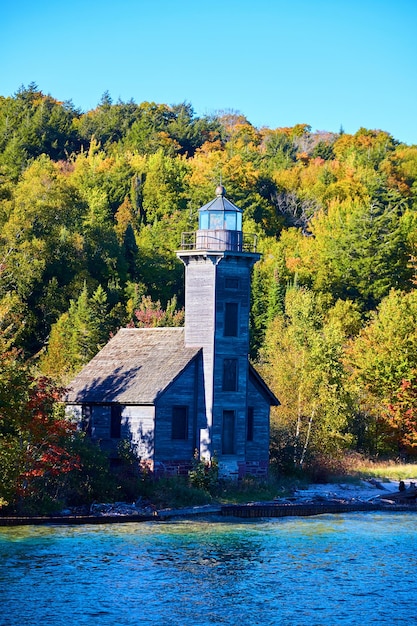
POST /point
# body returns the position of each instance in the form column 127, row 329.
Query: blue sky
column 327, row 63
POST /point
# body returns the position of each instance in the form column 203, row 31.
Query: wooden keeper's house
column 172, row 391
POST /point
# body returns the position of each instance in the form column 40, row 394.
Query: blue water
column 345, row 569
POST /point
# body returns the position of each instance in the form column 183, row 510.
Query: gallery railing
column 219, row 240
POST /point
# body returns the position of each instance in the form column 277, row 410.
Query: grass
column 252, row 490
column 388, row 471
column 354, row 468
column 176, row 492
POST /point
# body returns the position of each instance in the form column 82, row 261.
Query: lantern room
column 219, row 224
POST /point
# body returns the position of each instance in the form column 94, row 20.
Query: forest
column 92, row 207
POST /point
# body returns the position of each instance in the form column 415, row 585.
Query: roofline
column 165, row 389
column 95, row 403
column 264, row 386
column 224, row 202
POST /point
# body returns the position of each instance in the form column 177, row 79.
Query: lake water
column 358, row 568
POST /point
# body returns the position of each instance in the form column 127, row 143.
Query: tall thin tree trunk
column 299, row 414
column 310, row 421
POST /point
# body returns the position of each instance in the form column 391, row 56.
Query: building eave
column 273, row 400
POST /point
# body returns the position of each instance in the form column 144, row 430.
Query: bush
column 176, row 492
column 204, row 474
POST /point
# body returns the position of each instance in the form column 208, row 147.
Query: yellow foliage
column 289, row 179
column 123, row 217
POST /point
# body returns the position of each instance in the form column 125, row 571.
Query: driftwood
column 406, row 496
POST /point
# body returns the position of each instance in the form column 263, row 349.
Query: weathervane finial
column 220, row 190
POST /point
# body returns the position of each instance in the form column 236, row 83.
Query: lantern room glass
column 220, row 220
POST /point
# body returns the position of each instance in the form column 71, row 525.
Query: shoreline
column 317, row 499
column 256, row 510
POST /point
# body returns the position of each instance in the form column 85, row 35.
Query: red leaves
column 47, row 453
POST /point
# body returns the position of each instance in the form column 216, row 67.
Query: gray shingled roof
column 220, row 204
column 133, row 368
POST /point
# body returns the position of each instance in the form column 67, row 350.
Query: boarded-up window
column 179, row 422
column 228, row 434
column 116, row 421
column 230, row 375
column 249, row 424
column 231, row 311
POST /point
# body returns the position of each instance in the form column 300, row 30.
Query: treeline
column 92, row 207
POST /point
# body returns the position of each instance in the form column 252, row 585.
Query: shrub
column 204, row 474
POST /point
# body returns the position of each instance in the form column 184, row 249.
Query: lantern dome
column 220, row 213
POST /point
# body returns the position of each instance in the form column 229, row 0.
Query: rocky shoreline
column 369, row 495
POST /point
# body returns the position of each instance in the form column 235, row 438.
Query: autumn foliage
column 35, row 442
column 402, row 418
column 92, row 209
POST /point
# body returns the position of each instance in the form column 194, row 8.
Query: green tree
column 302, row 360
column 378, row 360
column 40, row 245
column 164, row 187
column 32, row 124
column 79, row 334
column 108, row 123
column 360, row 251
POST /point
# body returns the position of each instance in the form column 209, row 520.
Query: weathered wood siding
column 258, row 449
column 213, row 280
column 232, row 286
column 185, row 391
column 200, row 297
column 138, row 425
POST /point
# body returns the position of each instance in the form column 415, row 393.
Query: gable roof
column 135, row 367
column 262, row 386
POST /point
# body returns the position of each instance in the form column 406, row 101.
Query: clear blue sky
column 327, row 63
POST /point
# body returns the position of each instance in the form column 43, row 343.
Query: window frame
column 175, row 429
column 230, row 375
column 229, row 432
column 250, row 423
column 231, row 319
column 87, row 419
column 115, row 421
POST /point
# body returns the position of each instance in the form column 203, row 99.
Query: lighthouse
column 172, row 391
column 218, row 260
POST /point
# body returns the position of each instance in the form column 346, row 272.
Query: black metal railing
column 219, row 240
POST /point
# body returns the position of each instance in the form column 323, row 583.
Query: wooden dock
column 265, row 510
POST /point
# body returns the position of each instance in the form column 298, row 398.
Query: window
column 179, row 428
column 204, row 220
column 116, row 421
column 231, row 283
column 231, row 310
column 230, row 375
column 216, row 220
column 249, row 424
column 230, row 220
column 228, row 435
column 86, row 419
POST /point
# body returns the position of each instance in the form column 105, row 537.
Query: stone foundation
column 257, row 469
column 228, row 470
column 172, row 468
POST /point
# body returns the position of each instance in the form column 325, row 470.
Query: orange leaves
column 45, row 437
column 402, row 416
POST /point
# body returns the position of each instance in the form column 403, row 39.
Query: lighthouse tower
column 218, row 260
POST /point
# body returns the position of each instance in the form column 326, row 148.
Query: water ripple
column 331, row 570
